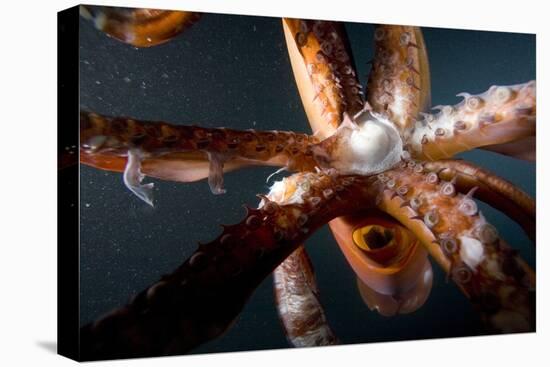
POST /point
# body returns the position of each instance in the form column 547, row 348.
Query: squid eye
column 373, row 237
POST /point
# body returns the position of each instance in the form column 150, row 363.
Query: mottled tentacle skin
column 324, row 71
column 492, row 189
column 328, row 86
column 503, row 114
column 298, row 303
column 308, row 44
column 457, row 235
column 203, row 296
column 399, row 82
column 188, row 153
column 139, row 27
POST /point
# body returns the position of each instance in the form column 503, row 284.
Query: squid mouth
column 374, row 237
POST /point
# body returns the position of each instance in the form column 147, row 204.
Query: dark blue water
column 234, row 71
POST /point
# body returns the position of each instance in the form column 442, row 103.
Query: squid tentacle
column 188, row 153
column 183, row 309
column 501, row 115
column 329, row 89
column 139, row 27
column 203, row 296
column 324, row 71
column 298, row 304
column 399, row 82
column 495, row 191
column 449, row 224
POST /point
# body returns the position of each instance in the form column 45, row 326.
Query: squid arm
column 139, row 27
column 311, row 47
column 298, row 304
column 185, row 153
column 200, row 300
column 492, row 189
column 494, row 119
column 455, row 233
column 324, row 71
column 399, row 81
column 328, row 86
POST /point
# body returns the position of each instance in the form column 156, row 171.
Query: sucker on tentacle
column 501, row 115
column 478, row 265
column 493, row 190
column 434, row 200
column 183, row 309
column 188, row 153
column 323, row 68
column 399, row 82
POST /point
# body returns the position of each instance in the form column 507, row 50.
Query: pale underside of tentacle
column 497, row 118
column 298, row 303
column 492, row 189
column 138, row 26
column 294, row 284
column 399, row 81
column 459, row 238
column 186, row 153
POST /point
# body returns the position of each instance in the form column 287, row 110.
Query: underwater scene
column 371, row 85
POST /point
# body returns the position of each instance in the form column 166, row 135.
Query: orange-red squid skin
column 491, row 189
column 328, row 86
column 431, row 203
column 202, row 297
column 459, row 238
column 502, row 119
column 140, row 27
column 324, row 72
column 225, row 271
column 399, row 83
column 188, row 153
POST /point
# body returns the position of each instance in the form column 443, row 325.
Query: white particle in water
column 97, row 82
column 87, row 205
column 127, row 80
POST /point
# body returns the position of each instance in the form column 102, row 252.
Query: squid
column 377, row 167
